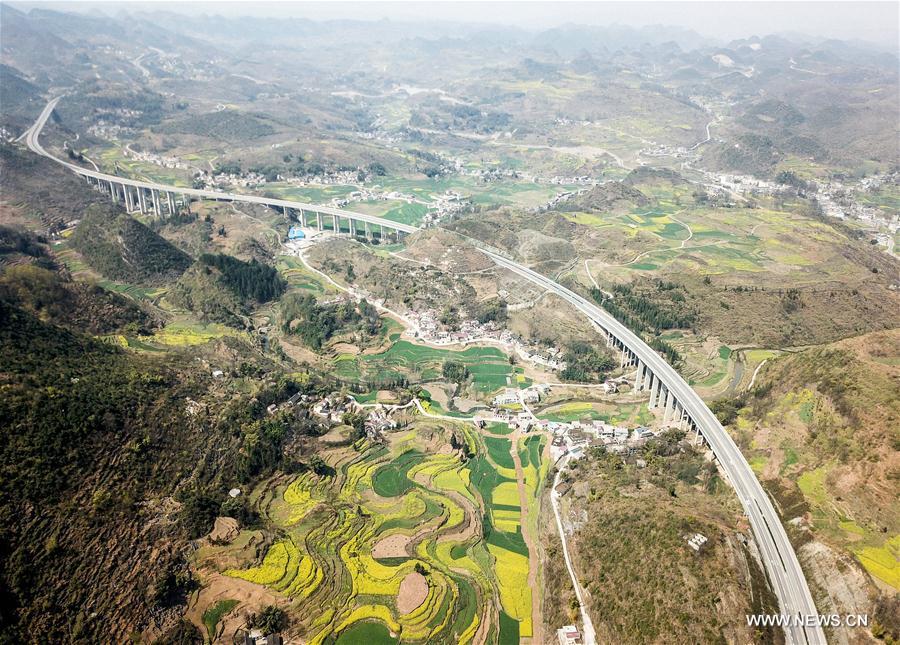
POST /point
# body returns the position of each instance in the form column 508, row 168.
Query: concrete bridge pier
column 142, row 200
column 129, row 203
column 669, row 406
column 678, row 416
column 639, row 377
column 319, row 224
column 186, row 203
column 352, row 223
column 171, row 199
column 368, row 230
column 157, row 207
column 336, row 223
column 654, row 391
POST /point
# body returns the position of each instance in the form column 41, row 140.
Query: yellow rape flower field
column 397, row 542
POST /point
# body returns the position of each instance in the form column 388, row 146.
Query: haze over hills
column 445, row 331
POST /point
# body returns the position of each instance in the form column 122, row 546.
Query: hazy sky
column 877, row 22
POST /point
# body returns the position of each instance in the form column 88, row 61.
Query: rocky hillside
column 613, row 196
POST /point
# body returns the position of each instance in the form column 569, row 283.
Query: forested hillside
column 121, row 248
column 108, row 470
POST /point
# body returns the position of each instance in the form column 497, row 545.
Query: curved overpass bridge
column 159, row 199
column 680, row 404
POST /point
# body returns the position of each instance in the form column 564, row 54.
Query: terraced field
column 346, row 548
column 300, row 277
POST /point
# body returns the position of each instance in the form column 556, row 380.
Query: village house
column 696, row 541
column 509, row 396
column 569, row 635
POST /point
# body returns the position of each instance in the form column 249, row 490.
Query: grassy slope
column 825, row 435
column 644, row 583
column 25, row 180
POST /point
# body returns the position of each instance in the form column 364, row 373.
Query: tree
column 238, row 508
column 455, row 371
column 357, row 421
column 198, row 511
column 270, row 620
column 184, row 632
column 319, row 466
column 173, row 585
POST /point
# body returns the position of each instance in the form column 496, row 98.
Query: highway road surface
column 781, row 563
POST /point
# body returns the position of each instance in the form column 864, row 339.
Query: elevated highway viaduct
column 667, row 390
column 161, row 199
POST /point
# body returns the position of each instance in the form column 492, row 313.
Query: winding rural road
column 588, row 632
column 782, row 566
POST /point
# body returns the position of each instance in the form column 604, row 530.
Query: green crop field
column 212, row 616
column 299, row 277
column 393, row 479
column 489, row 367
column 407, row 213
column 112, row 158
column 327, row 552
column 574, row 411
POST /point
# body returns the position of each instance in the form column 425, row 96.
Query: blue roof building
column 295, row 233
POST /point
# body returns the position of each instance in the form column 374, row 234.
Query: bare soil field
column 413, row 591
column 393, row 546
